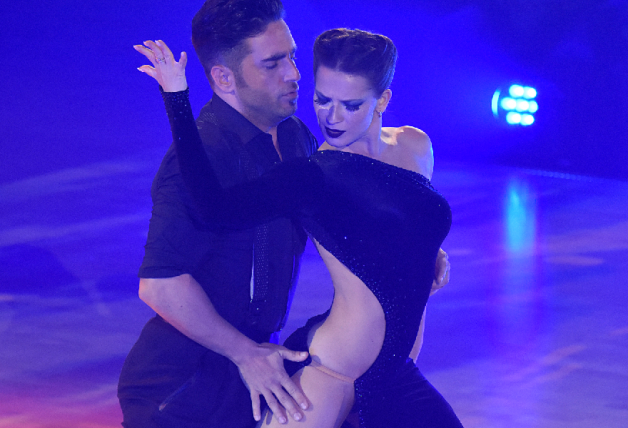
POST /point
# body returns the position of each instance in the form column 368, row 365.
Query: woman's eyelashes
column 353, row 106
column 321, row 101
column 349, row 106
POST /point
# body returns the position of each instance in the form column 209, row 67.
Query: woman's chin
column 336, row 143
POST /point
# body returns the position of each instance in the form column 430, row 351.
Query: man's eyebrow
column 274, row 58
column 279, row 56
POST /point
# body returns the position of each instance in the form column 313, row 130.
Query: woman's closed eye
column 321, row 100
column 350, row 107
column 353, row 107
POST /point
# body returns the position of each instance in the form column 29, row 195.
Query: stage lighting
column 508, row 103
column 522, row 105
column 517, row 105
column 527, row 119
column 513, row 118
column 529, row 93
column 516, row 91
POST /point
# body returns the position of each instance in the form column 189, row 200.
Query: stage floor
column 531, row 332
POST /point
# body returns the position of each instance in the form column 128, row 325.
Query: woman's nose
column 333, row 116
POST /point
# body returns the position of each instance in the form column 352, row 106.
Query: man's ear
column 223, row 78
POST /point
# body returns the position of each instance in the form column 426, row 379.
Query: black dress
column 382, row 222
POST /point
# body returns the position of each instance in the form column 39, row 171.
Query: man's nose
column 292, row 73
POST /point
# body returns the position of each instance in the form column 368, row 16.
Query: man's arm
column 182, row 302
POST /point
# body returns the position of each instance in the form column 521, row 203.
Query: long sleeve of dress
column 284, row 191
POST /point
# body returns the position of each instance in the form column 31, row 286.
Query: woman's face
column 345, row 107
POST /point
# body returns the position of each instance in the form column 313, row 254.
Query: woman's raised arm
column 283, row 191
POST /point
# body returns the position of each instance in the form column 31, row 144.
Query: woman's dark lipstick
column 333, row 133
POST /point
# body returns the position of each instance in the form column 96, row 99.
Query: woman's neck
column 370, row 144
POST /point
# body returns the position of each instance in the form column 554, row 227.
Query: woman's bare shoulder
column 410, row 138
column 413, row 143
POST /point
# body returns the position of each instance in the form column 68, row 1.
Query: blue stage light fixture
column 522, row 105
column 527, row 119
column 516, row 91
column 529, row 93
column 517, row 105
column 508, row 103
column 513, row 118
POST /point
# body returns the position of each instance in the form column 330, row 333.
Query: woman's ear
column 223, row 78
column 383, row 100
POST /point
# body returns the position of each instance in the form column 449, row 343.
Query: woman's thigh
column 330, row 399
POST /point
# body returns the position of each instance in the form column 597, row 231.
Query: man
column 221, row 296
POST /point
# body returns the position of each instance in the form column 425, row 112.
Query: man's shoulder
column 219, row 136
column 296, row 123
column 297, row 130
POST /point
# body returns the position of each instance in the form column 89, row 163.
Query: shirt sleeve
column 284, row 191
column 176, row 240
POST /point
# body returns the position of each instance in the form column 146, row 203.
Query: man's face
column 266, row 84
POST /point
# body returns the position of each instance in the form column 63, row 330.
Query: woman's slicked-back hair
column 372, row 56
column 220, row 28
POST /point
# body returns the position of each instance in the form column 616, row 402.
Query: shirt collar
column 233, row 120
column 225, row 116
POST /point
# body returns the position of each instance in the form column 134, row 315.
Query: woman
column 366, row 201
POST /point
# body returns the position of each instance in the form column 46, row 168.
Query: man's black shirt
column 168, row 378
column 221, row 261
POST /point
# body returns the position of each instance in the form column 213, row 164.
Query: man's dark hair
column 361, row 53
column 220, row 28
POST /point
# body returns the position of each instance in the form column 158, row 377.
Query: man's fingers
column 275, row 407
column 268, row 377
column 287, row 354
column 442, row 267
column 257, row 414
column 444, row 278
column 296, row 394
column 291, row 398
column 435, row 288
